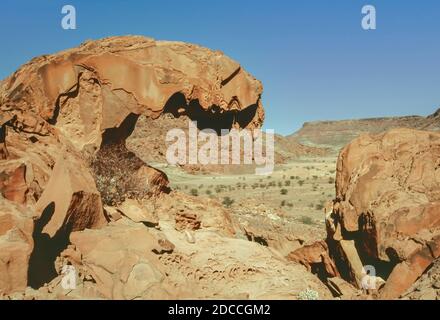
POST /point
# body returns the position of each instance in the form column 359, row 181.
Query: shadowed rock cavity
column 46, row 249
column 214, row 117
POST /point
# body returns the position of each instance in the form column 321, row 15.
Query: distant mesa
column 336, row 134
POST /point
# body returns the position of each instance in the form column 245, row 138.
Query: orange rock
column 16, row 245
column 13, row 184
column 87, row 90
column 71, row 197
column 315, row 257
column 388, row 200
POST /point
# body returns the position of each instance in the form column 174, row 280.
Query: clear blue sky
column 313, row 57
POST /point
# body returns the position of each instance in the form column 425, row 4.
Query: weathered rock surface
column 95, row 87
column 70, row 198
column 16, row 245
column 66, row 171
column 133, row 210
column 427, row 287
column 315, row 257
column 388, row 204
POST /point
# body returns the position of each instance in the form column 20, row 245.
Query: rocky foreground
column 77, row 192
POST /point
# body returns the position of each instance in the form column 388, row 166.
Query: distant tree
column 227, row 202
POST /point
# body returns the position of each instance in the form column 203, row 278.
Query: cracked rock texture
column 388, row 203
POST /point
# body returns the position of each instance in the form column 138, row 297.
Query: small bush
column 227, row 202
column 306, row 220
column 194, row 192
column 308, row 295
column 283, row 191
column 114, row 168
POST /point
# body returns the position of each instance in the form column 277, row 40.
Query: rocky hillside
column 336, row 134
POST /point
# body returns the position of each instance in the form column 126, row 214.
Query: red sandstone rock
column 388, row 199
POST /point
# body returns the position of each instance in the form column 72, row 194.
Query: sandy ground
column 297, row 190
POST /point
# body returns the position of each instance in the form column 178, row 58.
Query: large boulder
column 120, row 262
column 315, row 257
column 87, row 90
column 388, row 203
column 70, row 200
column 427, row 287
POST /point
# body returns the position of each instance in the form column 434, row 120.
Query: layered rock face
column 73, row 194
column 336, row 134
column 387, row 210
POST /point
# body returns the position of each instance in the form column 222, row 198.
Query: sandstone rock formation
column 427, row 287
column 88, row 92
column 16, row 245
column 74, row 195
column 387, row 210
column 315, row 257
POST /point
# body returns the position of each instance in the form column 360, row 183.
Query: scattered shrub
column 306, row 220
column 114, row 168
column 227, row 202
column 308, row 295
